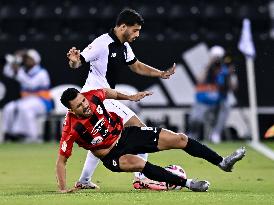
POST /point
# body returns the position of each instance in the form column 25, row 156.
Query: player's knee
column 126, row 162
column 130, row 163
column 183, row 139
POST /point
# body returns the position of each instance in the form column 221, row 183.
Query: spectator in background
column 19, row 116
column 211, row 96
column 227, row 100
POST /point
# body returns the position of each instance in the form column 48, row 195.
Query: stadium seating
column 38, row 20
column 51, row 124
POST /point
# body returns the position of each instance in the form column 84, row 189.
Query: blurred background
column 174, row 31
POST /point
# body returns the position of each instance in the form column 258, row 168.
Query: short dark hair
column 129, row 17
column 68, row 95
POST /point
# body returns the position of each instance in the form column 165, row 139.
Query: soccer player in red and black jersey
column 92, row 127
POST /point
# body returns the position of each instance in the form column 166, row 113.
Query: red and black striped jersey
column 99, row 131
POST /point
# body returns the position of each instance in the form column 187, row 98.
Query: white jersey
column 107, row 57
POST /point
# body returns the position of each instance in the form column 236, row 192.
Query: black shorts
column 133, row 140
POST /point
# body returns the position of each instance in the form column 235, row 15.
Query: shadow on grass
column 100, row 192
column 80, row 192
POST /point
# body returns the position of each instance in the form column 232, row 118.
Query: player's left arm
column 146, row 70
column 113, row 94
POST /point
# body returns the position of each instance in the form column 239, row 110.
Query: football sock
column 188, row 182
column 89, row 167
column 196, row 149
column 159, row 174
column 140, row 175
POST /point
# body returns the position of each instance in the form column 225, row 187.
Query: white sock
column 222, row 163
column 89, row 167
column 188, row 182
column 139, row 174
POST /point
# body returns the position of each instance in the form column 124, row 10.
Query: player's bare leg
column 133, row 163
column 91, row 164
column 140, row 181
column 172, row 140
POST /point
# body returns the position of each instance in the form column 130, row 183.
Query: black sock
column 159, row 174
column 196, row 149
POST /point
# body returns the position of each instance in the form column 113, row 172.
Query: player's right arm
column 90, row 53
column 65, row 150
column 74, row 58
column 61, row 173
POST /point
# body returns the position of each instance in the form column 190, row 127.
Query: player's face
column 132, row 33
column 80, row 106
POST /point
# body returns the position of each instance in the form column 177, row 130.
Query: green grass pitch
column 27, row 176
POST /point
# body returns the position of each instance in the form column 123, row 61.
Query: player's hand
column 73, row 55
column 140, row 95
column 167, row 73
column 74, row 58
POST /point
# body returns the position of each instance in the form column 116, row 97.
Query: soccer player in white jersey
column 108, row 55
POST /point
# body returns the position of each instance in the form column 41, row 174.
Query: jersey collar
column 113, row 36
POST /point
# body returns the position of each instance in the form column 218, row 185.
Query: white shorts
column 119, row 108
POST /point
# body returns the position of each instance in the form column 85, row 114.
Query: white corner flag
column 246, row 46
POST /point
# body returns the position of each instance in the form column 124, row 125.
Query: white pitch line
column 262, row 149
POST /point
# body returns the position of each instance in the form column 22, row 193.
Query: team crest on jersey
column 64, row 146
column 99, row 110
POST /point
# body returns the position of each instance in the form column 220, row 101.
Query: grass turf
column 269, row 143
column 27, row 176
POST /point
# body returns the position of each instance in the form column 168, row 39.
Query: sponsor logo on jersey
column 98, row 127
column 97, row 140
column 113, row 55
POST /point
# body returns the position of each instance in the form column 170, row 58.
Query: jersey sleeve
column 130, row 57
column 99, row 93
column 66, row 145
column 66, row 142
column 91, row 52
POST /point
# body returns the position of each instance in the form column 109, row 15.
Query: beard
column 86, row 113
column 127, row 37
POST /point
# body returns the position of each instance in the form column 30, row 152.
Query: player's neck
column 119, row 35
